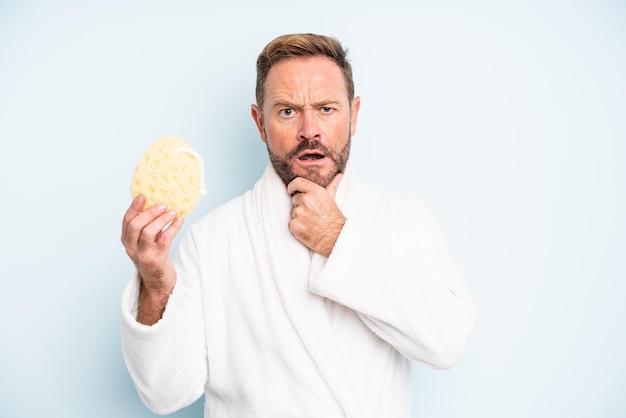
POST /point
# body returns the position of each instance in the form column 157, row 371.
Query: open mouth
column 309, row 157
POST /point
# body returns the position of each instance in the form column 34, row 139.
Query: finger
column 133, row 210
column 300, row 185
column 334, row 185
column 296, row 199
column 137, row 224
column 295, row 212
column 153, row 230
column 170, row 233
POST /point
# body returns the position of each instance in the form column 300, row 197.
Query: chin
column 320, row 177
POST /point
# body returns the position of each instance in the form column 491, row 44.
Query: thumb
column 334, row 184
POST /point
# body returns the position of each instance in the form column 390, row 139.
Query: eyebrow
column 322, row 103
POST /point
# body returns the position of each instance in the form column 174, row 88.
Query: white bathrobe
column 266, row 328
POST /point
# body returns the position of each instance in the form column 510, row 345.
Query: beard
column 284, row 165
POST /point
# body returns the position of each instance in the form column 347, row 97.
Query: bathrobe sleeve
column 391, row 266
column 168, row 360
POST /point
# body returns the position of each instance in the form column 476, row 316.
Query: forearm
column 413, row 298
column 168, row 360
column 154, row 291
column 151, row 305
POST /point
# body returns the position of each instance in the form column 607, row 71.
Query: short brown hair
column 301, row 45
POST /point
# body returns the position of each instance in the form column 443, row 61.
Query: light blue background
column 506, row 118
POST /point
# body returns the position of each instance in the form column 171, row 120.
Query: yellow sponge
column 170, row 172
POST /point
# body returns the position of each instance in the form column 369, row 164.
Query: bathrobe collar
column 293, row 266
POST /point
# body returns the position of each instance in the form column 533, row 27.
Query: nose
column 309, row 127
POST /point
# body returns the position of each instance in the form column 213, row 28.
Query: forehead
column 305, row 78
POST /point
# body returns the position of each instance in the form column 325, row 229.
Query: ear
column 258, row 119
column 354, row 114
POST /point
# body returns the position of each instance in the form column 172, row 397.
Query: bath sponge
column 170, row 172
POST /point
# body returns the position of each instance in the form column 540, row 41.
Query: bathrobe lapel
column 292, row 265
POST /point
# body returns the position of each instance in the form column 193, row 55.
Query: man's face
column 307, row 119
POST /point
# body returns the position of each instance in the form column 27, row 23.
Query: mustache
column 311, row 144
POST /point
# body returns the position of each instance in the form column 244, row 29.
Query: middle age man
column 307, row 296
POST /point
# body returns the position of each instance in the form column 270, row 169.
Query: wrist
column 334, row 231
column 157, row 283
column 151, row 302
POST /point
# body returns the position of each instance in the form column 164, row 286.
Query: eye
column 327, row 109
column 286, row 112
